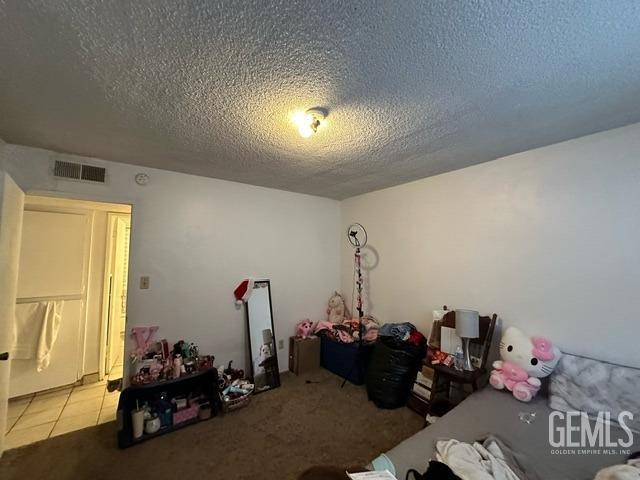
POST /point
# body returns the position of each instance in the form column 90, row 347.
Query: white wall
column 198, row 237
column 549, row 239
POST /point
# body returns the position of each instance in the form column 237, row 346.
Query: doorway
column 72, row 284
column 115, row 302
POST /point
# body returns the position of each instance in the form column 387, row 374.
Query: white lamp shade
column 467, row 323
column 267, row 336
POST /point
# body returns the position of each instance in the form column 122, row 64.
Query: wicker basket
column 236, row 403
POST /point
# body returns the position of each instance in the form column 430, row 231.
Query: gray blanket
column 593, row 386
column 496, row 412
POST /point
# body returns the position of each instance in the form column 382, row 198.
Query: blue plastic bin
column 339, row 358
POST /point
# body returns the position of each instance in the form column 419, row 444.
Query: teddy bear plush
column 524, row 361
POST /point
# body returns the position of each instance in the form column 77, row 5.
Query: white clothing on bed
column 474, row 462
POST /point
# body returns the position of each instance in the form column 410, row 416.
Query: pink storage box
column 186, row 414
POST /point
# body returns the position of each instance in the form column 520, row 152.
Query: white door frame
column 104, row 329
column 10, row 236
column 123, row 200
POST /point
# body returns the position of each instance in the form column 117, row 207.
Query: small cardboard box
column 427, row 372
column 304, row 354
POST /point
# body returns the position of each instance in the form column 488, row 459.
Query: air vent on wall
column 78, row 171
column 67, row 170
column 93, row 174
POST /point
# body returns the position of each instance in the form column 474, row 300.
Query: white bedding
column 477, row 461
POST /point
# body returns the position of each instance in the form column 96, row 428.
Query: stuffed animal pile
column 524, row 361
column 338, row 325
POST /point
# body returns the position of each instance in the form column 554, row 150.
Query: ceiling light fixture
column 309, row 121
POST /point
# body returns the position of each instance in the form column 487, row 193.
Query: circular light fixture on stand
column 357, row 237
column 309, row 121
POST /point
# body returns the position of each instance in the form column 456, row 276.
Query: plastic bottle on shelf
column 459, row 359
column 177, row 366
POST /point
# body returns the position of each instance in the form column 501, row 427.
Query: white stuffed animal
column 263, row 355
column 337, row 311
column 524, row 361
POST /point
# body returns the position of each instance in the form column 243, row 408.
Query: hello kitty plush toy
column 524, row 361
column 304, row 329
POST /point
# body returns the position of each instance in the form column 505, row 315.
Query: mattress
column 496, row 412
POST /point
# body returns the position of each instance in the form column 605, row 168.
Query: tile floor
column 62, row 410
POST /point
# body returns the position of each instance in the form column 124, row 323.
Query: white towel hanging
column 37, row 326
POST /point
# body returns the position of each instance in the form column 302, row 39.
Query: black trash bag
column 392, row 371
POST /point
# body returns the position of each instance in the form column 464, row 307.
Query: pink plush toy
column 304, row 329
column 143, row 336
column 524, row 361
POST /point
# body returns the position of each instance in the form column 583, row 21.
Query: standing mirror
column 262, row 341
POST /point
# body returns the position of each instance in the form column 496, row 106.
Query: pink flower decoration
column 542, row 348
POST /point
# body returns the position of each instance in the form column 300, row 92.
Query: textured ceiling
column 412, row 88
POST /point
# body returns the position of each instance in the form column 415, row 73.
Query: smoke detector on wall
column 141, row 178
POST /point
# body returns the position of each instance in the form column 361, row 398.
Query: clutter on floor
column 341, row 352
column 395, row 361
column 402, row 333
column 421, row 391
column 172, row 387
column 235, row 389
column 456, row 360
column 339, row 327
column 334, row 343
column 148, row 410
column 275, row 437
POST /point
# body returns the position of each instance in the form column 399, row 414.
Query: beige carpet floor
column 280, row 434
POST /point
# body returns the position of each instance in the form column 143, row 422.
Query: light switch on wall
column 144, row 282
column 280, row 344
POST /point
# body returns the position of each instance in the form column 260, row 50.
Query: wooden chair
column 443, row 376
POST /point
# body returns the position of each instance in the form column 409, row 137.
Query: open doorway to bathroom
column 115, row 293
column 70, row 317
